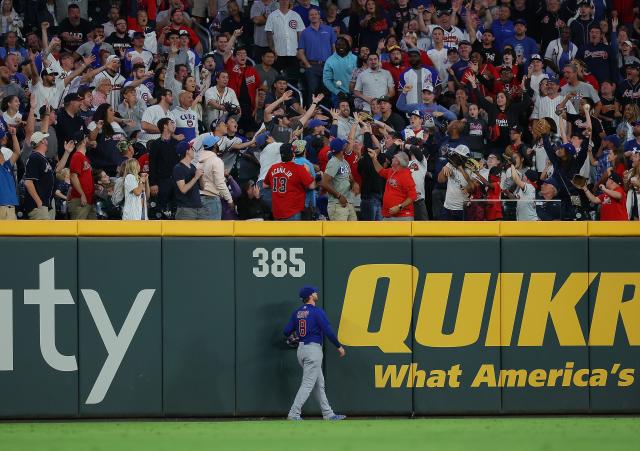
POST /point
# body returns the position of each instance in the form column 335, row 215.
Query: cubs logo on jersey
column 186, row 122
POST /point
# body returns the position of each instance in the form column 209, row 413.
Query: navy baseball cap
column 261, row 139
column 182, row 147
column 338, row 145
column 613, row 139
column 307, row 291
column 316, row 123
column 553, row 79
column 521, row 21
column 571, row 150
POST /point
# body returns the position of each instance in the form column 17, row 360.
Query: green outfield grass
column 561, row 433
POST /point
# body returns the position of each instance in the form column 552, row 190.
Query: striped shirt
column 546, row 107
column 117, row 82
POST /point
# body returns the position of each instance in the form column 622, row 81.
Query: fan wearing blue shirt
column 522, row 44
column 315, row 46
column 310, row 324
column 502, row 27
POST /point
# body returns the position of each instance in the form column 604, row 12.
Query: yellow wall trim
column 277, row 228
column 317, row 228
column 456, row 228
column 38, row 228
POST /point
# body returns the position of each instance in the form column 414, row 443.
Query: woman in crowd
column 375, row 25
column 503, row 114
column 136, row 192
column 10, row 110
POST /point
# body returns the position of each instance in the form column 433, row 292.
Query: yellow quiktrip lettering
column 434, row 305
column 610, row 305
column 390, row 374
column 504, row 308
column 396, row 317
column 542, row 304
column 486, row 375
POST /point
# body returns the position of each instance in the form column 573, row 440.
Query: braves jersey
column 117, row 82
column 311, row 324
column 423, row 78
column 289, row 182
column 451, row 37
column 186, row 122
column 418, row 172
column 411, row 133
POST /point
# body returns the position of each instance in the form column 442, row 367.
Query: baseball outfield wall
column 184, row 319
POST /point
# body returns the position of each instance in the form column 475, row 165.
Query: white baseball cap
column 37, row 138
column 462, row 150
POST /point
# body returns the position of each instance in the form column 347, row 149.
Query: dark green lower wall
column 192, row 327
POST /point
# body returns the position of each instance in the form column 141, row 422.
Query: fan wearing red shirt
column 143, row 161
column 484, row 72
column 613, row 200
column 244, row 80
column 400, row 189
column 289, row 183
column 396, row 65
column 82, row 187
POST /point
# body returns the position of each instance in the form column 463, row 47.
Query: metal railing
column 202, row 31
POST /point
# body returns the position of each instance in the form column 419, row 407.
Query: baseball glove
column 293, row 340
column 541, row 128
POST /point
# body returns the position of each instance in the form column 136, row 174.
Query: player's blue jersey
column 311, row 324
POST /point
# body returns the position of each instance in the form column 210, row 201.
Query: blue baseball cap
column 307, row 291
column 209, row 141
column 418, row 113
column 338, row 145
column 182, row 148
column 315, row 123
column 569, row 148
column 261, row 139
column 613, row 139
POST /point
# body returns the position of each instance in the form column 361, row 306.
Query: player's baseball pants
column 310, row 359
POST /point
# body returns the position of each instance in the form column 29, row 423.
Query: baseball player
column 310, row 323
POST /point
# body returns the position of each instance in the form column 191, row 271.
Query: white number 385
column 280, row 260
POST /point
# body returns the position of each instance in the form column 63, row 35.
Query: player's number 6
column 279, row 266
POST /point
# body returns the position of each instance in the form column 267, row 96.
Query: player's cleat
column 337, row 417
column 295, row 418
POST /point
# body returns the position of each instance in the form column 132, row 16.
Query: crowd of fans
column 361, row 110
